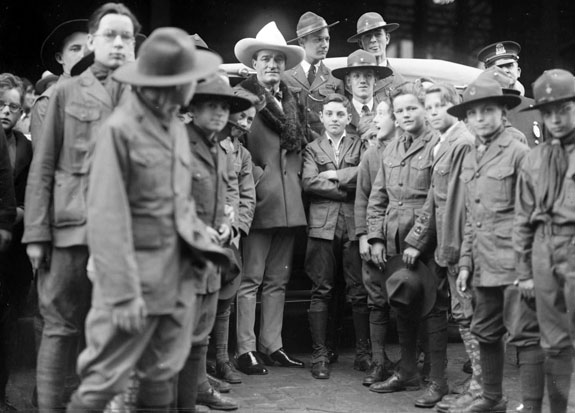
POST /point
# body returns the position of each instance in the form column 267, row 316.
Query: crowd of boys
column 142, row 196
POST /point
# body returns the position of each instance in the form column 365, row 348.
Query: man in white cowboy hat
column 61, row 50
column 544, row 227
column 55, row 215
column 143, row 310
column 360, row 76
column 311, row 79
column 373, row 37
column 275, row 142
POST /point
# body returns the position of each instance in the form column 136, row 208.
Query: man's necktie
column 364, row 111
column 408, row 142
column 481, row 149
column 311, row 75
column 279, row 95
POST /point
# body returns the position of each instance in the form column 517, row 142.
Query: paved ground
column 294, row 390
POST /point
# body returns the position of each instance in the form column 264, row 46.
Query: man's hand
column 364, row 248
column 410, row 256
column 329, row 175
column 130, row 317
column 526, row 287
column 230, row 213
column 224, row 234
column 213, row 234
column 462, row 283
column 378, row 254
column 39, row 254
column 5, row 239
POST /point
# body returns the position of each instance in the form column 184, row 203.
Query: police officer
column 544, row 230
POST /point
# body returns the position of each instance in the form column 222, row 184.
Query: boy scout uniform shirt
column 329, row 197
column 560, row 223
column 400, row 190
column 445, row 203
column 490, row 184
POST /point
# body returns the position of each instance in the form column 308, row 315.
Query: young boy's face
column 484, row 118
column 243, row 120
column 335, row 118
column 559, row 118
column 409, row 113
column 383, row 120
column 211, row 115
column 361, row 83
column 112, row 41
column 436, row 109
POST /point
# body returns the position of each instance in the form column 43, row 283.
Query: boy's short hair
column 9, row 81
column 447, row 93
column 336, row 97
column 409, row 88
column 112, row 8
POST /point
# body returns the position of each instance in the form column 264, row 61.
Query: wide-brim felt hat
column 553, row 86
column 480, row 90
column 504, row 80
column 360, row 59
column 168, row 58
column 53, row 42
column 500, row 53
column 218, row 88
column 201, row 43
column 45, row 81
column 410, row 290
column 371, row 21
column 310, row 23
column 268, row 38
column 88, row 60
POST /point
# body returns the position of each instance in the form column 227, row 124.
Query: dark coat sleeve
column 7, row 195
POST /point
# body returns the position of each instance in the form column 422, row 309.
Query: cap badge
column 472, row 91
column 499, row 49
column 548, row 89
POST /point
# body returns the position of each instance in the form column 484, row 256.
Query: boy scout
column 400, row 189
column 55, row 215
column 544, row 230
column 329, row 178
column 489, row 173
column 214, row 186
column 444, row 209
column 381, row 368
column 144, row 235
column 311, row 79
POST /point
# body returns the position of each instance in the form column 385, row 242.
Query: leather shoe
column 214, row 400
column 433, row 394
column 198, row 408
column 467, row 367
column 226, row 371
column 396, row 383
column 219, row 385
column 249, row 363
column 376, row 373
column 482, row 405
column 284, row 360
column 320, row 370
column 454, row 401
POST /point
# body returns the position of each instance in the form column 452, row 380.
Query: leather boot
column 362, row 360
column 320, row 361
column 436, row 327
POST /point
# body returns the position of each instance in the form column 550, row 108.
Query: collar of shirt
column 305, row 65
column 358, row 105
column 335, row 145
column 447, row 132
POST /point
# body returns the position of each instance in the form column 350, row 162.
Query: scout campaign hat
column 480, row 90
column 360, row 59
column 88, row 59
column 168, row 58
column 268, row 38
column 553, row 86
column 499, row 75
column 500, row 53
column 371, row 21
column 47, row 79
column 53, row 42
column 309, row 23
column 220, row 89
column 411, row 290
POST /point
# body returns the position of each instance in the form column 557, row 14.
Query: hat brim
column 237, row 103
column 53, row 42
column 500, row 60
column 549, row 102
column 207, row 63
column 396, row 264
column 41, row 85
column 313, row 31
column 381, row 72
column 246, row 48
column 460, row 111
column 389, row 27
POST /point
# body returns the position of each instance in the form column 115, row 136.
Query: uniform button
column 478, row 225
column 477, row 200
column 400, row 184
column 402, row 163
column 400, row 203
column 285, row 172
column 477, row 175
column 308, row 109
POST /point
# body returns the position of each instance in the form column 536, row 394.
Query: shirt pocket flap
column 322, row 160
column 146, row 157
column 500, row 173
column 83, row 113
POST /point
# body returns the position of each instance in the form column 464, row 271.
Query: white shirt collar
column 332, row 141
column 358, row 105
column 305, row 65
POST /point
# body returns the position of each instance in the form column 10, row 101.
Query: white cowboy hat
column 268, row 38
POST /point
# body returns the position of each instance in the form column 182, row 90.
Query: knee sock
column 492, row 360
column 407, row 335
column 221, row 330
column 532, row 376
column 472, row 349
column 436, row 326
column 558, row 370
